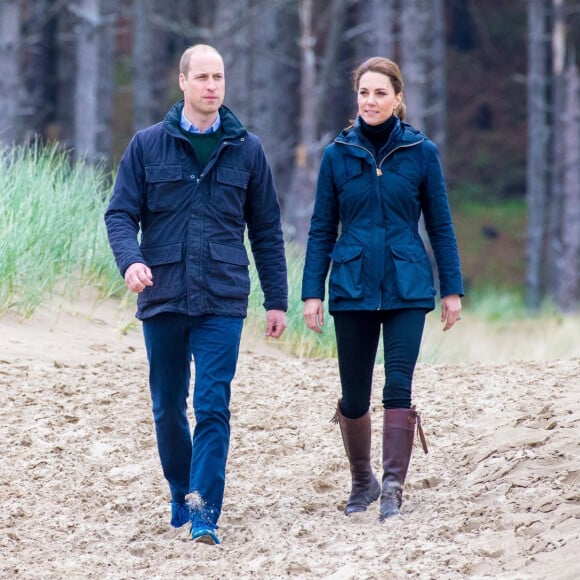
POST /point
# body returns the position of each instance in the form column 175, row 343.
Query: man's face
column 204, row 85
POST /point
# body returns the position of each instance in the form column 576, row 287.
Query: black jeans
column 357, row 339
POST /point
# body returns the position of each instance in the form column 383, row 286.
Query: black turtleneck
column 378, row 135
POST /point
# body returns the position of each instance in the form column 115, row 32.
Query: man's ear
column 182, row 81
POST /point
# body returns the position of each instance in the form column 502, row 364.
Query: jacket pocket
column 228, row 273
column 349, row 169
column 413, row 272
column 346, row 274
column 165, row 190
column 167, row 270
column 230, row 194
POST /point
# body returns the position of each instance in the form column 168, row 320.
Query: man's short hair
column 189, row 52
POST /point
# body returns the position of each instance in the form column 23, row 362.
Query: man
column 190, row 185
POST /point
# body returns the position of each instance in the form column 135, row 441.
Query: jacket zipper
column 378, row 169
column 221, row 145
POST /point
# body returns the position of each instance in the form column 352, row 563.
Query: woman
column 375, row 180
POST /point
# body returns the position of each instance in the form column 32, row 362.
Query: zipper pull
column 379, row 172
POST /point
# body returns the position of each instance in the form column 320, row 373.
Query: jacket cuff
column 276, row 304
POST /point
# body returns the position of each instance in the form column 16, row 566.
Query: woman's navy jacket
column 192, row 223
column 366, row 225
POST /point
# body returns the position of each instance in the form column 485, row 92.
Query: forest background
column 493, row 83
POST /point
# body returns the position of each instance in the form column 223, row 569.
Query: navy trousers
column 195, row 465
column 357, row 340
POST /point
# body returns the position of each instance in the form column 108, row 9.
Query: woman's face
column 376, row 98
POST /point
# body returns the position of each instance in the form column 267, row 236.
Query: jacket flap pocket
column 233, row 176
column 230, row 254
column 346, row 254
column 407, row 253
column 165, row 172
column 158, row 255
column 351, row 168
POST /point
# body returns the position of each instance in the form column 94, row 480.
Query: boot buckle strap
column 421, row 434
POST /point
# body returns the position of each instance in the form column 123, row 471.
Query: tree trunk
column 333, row 113
column 569, row 294
column 10, row 130
column 538, row 150
column 383, row 26
column 149, row 81
column 415, row 21
column 552, row 264
column 94, row 79
column 273, row 103
column 40, row 75
column 86, row 80
column 106, row 84
column 63, row 128
column 306, row 159
column 437, row 107
column 461, row 36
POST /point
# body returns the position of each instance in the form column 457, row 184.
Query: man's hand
column 137, row 276
column 314, row 314
column 275, row 323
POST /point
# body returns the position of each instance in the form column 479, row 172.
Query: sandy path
column 82, row 493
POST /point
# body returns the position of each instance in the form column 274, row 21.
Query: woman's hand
column 450, row 310
column 314, row 314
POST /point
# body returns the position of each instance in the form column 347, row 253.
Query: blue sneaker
column 204, row 533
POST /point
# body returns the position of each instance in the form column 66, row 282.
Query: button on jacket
column 193, row 222
column 365, row 224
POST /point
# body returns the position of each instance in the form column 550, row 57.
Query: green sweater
column 203, row 144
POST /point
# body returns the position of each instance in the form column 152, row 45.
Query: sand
column 82, row 494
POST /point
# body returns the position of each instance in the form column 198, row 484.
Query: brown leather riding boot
column 398, row 436
column 356, row 435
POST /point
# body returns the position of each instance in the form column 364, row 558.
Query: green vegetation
column 492, row 242
column 52, row 231
column 53, row 241
column 297, row 339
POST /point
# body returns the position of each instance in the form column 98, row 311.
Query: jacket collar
column 402, row 134
column 231, row 126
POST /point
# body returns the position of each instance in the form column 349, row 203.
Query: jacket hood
column 231, row 126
